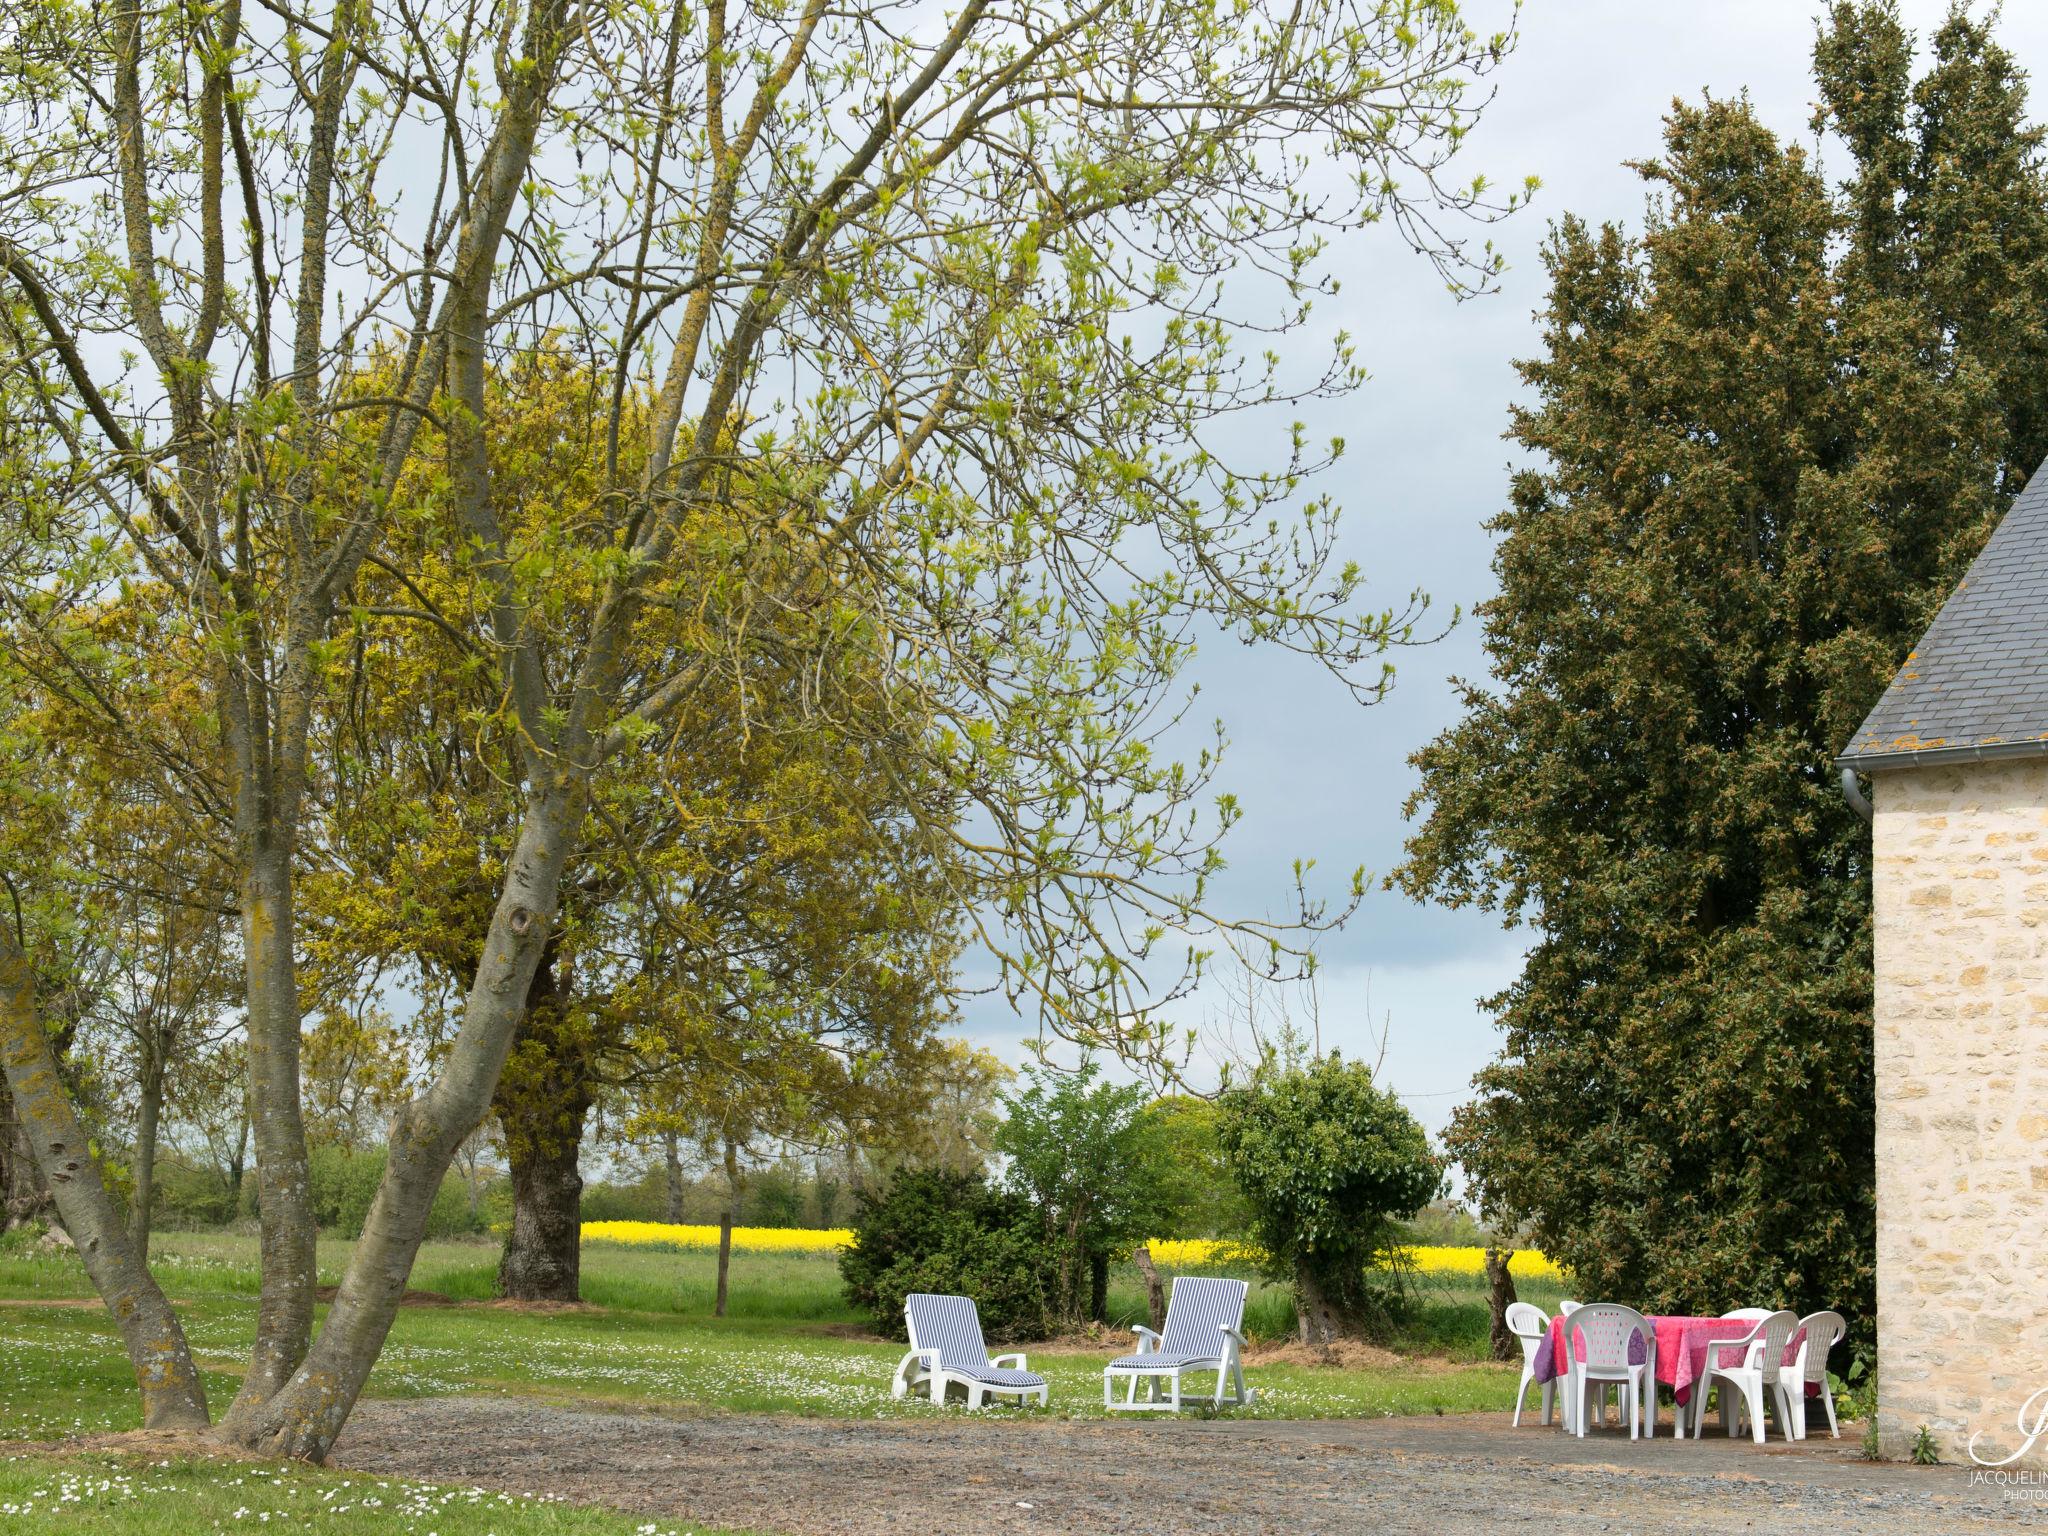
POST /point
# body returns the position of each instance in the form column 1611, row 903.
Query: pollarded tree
column 942, row 299
column 1769, row 432
column 1329, row 1163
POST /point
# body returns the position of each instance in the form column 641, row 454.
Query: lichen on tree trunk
column 173, row 1396
column 303, row 1418
column 286, row 1233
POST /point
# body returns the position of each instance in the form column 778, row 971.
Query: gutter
column 1926, row 757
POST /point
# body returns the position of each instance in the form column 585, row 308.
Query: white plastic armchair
column 1203, row 1332
column 1817, row 1335
column 1529, row 1325
column 946, row 1348
column 1747, row 1314
column 1748, row 1370
column 1603, row 1332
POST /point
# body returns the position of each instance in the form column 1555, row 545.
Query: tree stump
column 1501, row 1289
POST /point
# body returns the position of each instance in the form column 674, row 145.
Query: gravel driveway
column 1441, row 1476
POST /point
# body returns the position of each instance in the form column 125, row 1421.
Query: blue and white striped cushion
column 950, row 1325
column 1195, row 1319
column 1160, row 1360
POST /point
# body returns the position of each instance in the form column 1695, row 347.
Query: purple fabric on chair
column 1547, row 1366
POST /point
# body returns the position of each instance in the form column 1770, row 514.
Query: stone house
column 1956, row 754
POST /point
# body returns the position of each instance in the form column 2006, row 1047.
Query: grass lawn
column 130, row 1496
column 790, row 1345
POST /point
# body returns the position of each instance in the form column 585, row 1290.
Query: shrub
column 951, row 1234
column 1088, row 1156
column 343, row 1184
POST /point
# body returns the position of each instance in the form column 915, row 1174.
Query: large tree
column 1766, row 435
column 932, row 310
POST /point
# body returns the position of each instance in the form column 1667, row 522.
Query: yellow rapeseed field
column 1168, row 1253
column 1185, row 1253
column 662, row 1234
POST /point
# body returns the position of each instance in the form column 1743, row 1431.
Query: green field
column 790, row 1345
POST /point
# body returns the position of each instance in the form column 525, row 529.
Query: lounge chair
column 1204, row 1332
column 946, row 1347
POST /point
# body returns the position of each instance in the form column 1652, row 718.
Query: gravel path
column 1441, row 1476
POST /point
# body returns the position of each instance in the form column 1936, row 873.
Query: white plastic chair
column 1569, row 1307
column 1746, row 1314
column 1606, row 1329
column 1204, row 1332
column 946, row 1347
column 1823, row 1331
column 1748, row 1367
column 1529, row 1325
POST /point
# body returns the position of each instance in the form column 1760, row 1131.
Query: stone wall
column 1962, row 1104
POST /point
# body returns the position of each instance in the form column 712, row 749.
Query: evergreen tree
column 1769, row 433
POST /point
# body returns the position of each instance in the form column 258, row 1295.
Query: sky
column 1425, row 468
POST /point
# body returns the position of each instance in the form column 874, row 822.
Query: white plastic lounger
column 946, row 1347
column 1204, row 1332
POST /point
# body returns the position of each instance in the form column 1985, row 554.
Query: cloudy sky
column 1426, row 467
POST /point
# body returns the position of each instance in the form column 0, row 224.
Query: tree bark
column 543, row 1251
column 672, row 1149
column 1500, row 1296
column 732, row 1199
column 543, row 1099
column 23, row 1189
column 303, row 1418
column 284, row 1306
column 1155, row 1291
column 149, row 1107
column 238, row 1164
column 1319, row 1328
column 724, row 1259
column 1098, row 1287
column 173, row 1396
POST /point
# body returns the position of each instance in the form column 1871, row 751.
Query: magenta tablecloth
column 1681, row 1349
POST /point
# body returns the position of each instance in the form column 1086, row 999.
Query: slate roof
column 1977, row 684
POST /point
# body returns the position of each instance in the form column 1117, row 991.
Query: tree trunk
column 284, row 1306
column 732, row 1198
column 303, row 1419
column 542, row 1101
column 238, row 1164
column 544, row 1250
column 724, row 1259
column 149, row 1107
column 1319, row 1328
column 1098, row 1287
column 172, row 1395
column 23, row 1192
column 1500, row 1287
column 1155, row 1292
column 672, row 1150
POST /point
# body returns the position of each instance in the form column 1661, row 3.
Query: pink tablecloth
column 1681, row 1349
